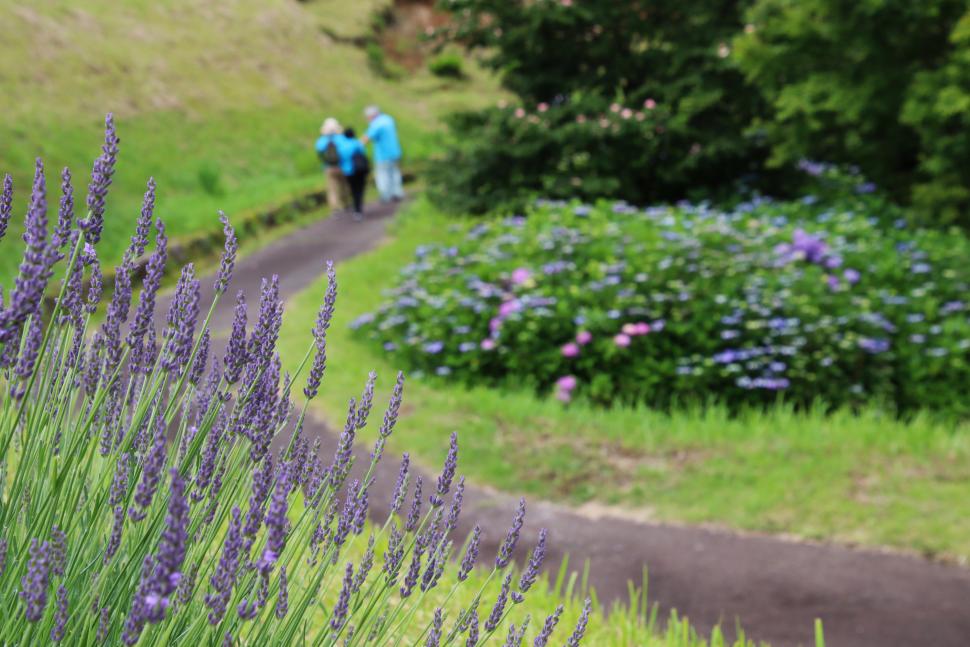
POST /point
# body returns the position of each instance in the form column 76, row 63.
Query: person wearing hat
column 330, row 147
column 382, row 132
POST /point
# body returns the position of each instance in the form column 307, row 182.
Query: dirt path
column 774, row 588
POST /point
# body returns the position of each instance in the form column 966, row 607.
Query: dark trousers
column 357, row 182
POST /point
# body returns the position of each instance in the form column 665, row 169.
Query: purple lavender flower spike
column 262, row 481
column 31, row 282
column 508, row 546
column 531, row 571
column 101, row 175
column 282, row 603
column 324, row 317
column 517, row 634
column 114, row 541
column 103, row 624
column 65, row 215
column 360, row 512
column 471, row 554
column 183, row 315
column 277, row 522
column 224, row 577
column 580, row 630
column 435, row 568
column 390, row 417
column 400, row 488
column 447, row 473
column 414, row 570
column 414, row 515
column 96, row 284
column 58, row 551
column 139, row 241
column 171, row 549
column 348, row 514
column 455, row 511
column 3, row 556
column 154, row 271
column 28, row 355
column 236, row 357
column 366, row 400
column 543, row 638
column 366, row 563
column 151, row 475
column 472, row 640
column 339, row 616
column 201, row 359
column 434, row 636
column 393, row 555
column 228, row 255
column 343, row 455
column 495, row 617
column 33, row 585
column 117, row 312
column 60, row 616
column 6, row 204
column 227, row 639
column 265, row 334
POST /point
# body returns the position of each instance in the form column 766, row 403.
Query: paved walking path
column 775, row 588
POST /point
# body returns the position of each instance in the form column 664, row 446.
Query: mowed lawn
column 220, row 102
column 862, row 479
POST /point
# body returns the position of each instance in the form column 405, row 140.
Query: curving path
column 774, row 588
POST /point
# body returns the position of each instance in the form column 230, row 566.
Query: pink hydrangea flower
column 566, row 382
column 563, row 396
column 626, row 113
column 570, row 350
column 520, row 276
column 542, row 107
column 508, row 307
column 583, row 337
column 649, row 104
column 629, row 329
column 519, row 112
column 494, row 323
column 643, row 328
column 488, row 344
column 622, row 340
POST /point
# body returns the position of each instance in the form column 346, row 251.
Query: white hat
column 371, row 111
column 331, row 127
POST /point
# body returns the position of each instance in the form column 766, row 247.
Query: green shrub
column 833, row 300
column 448, row 65
column 210, row 179
column 625, row 54
column 876, row 83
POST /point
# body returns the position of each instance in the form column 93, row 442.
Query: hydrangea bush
column 154, row 493
column 832, row 299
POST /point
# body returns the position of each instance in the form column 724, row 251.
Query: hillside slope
column 219, row 101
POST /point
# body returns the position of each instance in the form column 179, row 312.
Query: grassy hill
column 220, row 102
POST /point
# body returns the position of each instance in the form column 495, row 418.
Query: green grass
column 866, row 479
column 221, row 103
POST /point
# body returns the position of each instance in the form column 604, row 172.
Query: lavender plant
column 149, row 495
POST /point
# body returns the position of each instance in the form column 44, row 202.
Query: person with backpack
column 328, row 151
column 382, row 131
column 356, row 169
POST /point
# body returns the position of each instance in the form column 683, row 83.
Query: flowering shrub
column 154, row 493
column 648, row 104
column 669, row 304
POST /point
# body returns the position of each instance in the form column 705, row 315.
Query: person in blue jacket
column 356, row 168
column 332, row 148
column 382, row 132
